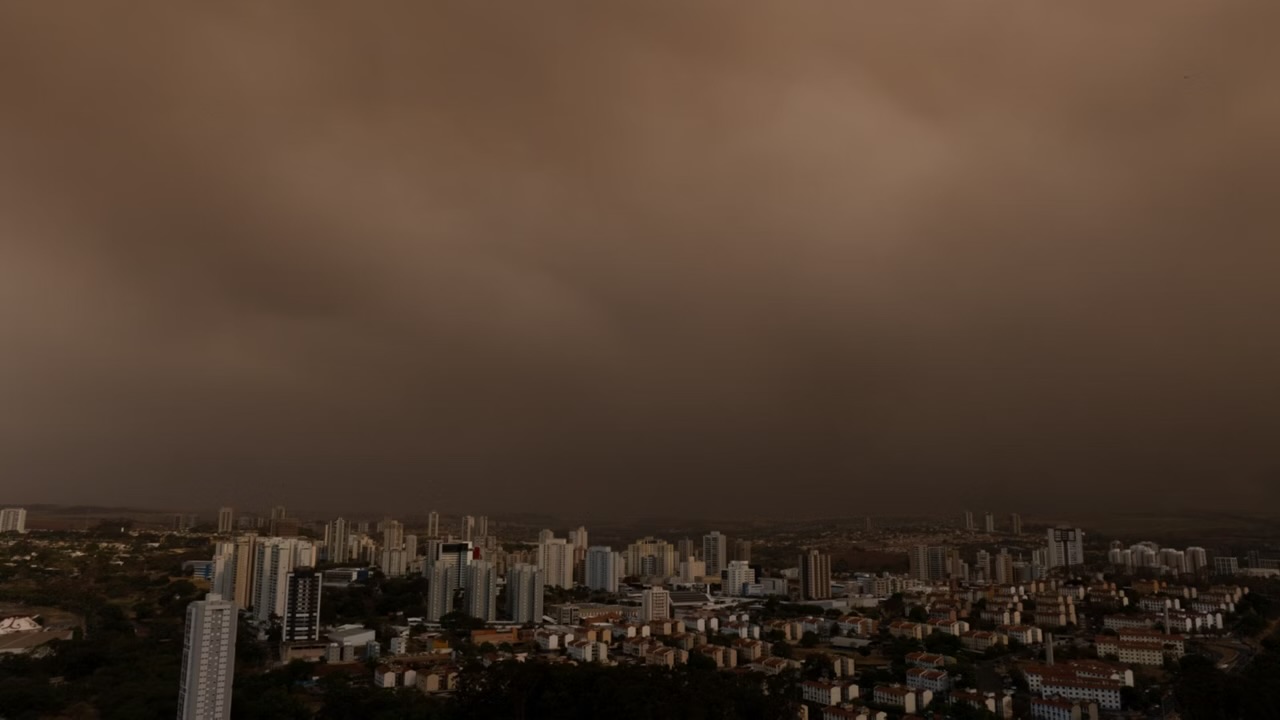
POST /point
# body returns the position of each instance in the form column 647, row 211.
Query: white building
column 13, row 520
column 441, row 586
column 902, row 697
column 935, row 681
column 655, row 604
column 1104, row 692
column 692, row 570
column 480, row 595
column 225, row 521
column 555, row 559
column 588, row 651
column 826, row 693
column 737, row 576
column 525, row 587
column 1066, row 547
column 602, row 568
column 208, row 660
column 274, row 559
column 715, row 551
column 1060, row 709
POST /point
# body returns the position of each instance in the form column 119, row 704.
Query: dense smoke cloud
column 684, row 258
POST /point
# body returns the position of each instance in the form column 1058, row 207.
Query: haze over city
column 682, row 258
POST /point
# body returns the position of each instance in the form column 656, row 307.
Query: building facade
column 208, row 660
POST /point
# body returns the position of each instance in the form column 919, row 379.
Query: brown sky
column 691, row 258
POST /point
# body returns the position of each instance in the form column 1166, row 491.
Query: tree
column 809, row 639
column 782, row 649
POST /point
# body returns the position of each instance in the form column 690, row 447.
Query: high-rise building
column 983, row 564
column 392, row 534
column 246, row 567
column 226, row 521
column 208, row 660
column 482, row 526
column 918, row 562
column 456, row 556
column 433, row 524
column 990, row 522
column 274, row 559
column 737, row 575
column 1224, row 565
column 1015, row 522
column 650, row 557
column 687, row 548
column 578, row 537
column 468, row 528
column 655, row 604
column 224, row 570
column 715, row 552
column 13, row 520
column 692, row 570
column 233, row 566
column 278, row 512
column 480, row 595
column 968, row 521
column 525, row 587
column 1197, row 560
column 740, row 550
column 602, row 569
column 815, row 576
column 183, row 522
column 393, row 563
column 1003, row 570
column 337, row 541
column 301, row 620
column 442, row 585
column 929, row 562
column 1066, row 547
column 555, row 559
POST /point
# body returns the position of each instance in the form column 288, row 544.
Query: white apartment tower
column 13, row 520
column 441, row 586
column 456, row 556
column 208, row 660
column 274, row 559
column 1066, row 547
column 715, row 550
column 1015, row 523
column 655, row 604
column 602, row 568
column 555, row 559
column 815, row 576
column 433, row 524
column 525, row 587
column 737, row 575
column 990, row 522
column 337, row 541
column 225, row 518
column 480, row 596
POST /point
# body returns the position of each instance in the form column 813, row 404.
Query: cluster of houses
column 1148, row 627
